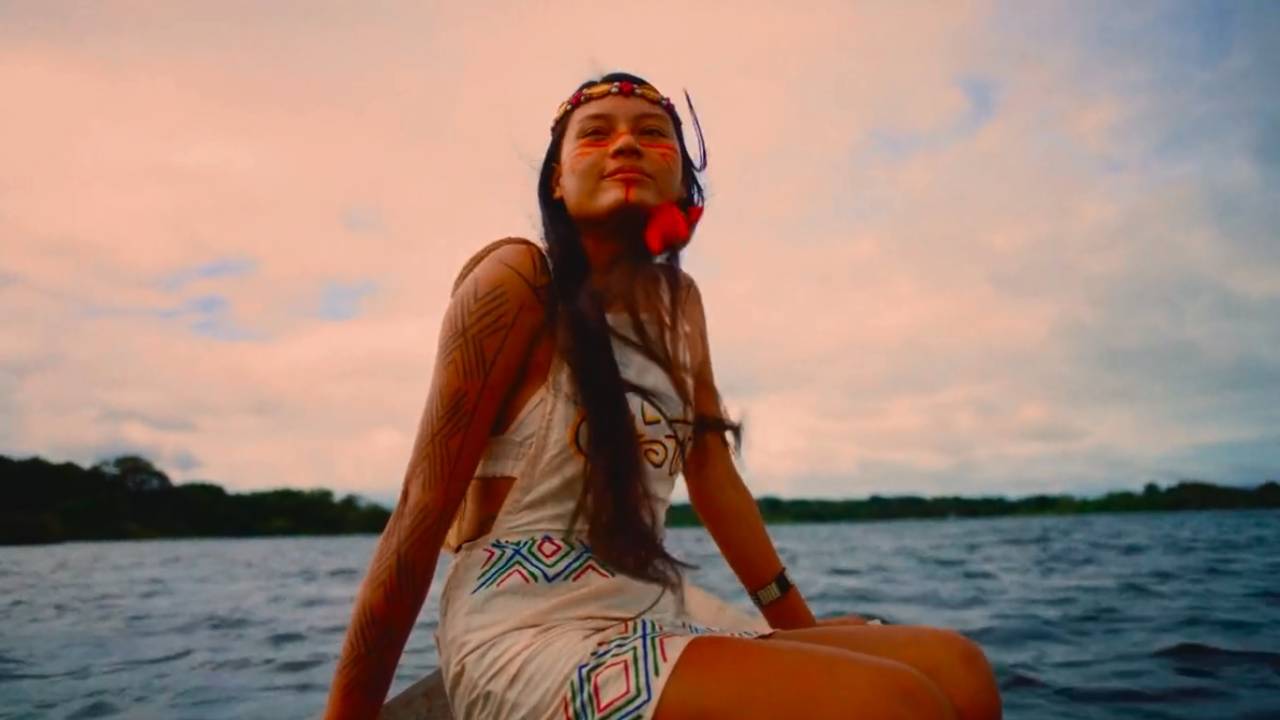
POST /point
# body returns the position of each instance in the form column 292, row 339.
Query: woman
column 561, row 600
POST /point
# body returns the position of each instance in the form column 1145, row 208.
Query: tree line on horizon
column 128, row 498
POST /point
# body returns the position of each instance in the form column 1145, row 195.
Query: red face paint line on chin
column 628, row 185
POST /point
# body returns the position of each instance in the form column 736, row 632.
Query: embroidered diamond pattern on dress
column 616, row 681
column 539, row 559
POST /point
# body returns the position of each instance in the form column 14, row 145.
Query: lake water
column 1162, row 615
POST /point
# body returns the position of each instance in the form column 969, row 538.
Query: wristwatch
column 774, row 590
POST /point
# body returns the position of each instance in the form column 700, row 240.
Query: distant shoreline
column 128, row 498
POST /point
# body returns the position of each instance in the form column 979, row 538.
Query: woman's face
column 611, row 133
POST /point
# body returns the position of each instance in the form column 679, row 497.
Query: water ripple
column 95, row 709
column 1218, row 657
column 148, row 661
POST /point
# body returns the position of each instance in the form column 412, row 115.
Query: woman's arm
column 720, row 497
column 485, row 337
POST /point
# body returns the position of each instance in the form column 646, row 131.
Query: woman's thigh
column 728, row 677
column 954, row 663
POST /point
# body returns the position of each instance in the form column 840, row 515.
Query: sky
column 949, row 249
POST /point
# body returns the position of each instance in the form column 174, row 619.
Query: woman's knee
column 973, row 690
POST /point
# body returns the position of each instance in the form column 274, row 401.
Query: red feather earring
column 669, row 228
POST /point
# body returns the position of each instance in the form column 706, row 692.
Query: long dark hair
column 622, row 529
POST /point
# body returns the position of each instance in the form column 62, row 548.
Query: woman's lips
column 627, row 176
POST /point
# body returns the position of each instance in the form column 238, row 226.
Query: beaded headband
column 624, row 88
column 629, row 89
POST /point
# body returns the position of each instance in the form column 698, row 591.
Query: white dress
column 532, row 625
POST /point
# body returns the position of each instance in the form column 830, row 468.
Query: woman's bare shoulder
column 505, row 259
column 505, row 285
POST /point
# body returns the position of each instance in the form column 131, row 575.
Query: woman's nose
column 625, row 140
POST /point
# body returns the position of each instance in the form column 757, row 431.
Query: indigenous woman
column 573, row 384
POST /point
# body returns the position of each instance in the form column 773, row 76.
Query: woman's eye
column 655, row 130
column 593, row 131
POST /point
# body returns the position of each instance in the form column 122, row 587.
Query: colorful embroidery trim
column 617, row 679
column 543, row 559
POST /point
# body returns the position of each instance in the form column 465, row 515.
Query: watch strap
column 773, row 591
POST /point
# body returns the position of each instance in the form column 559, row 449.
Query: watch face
column 784, row 582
